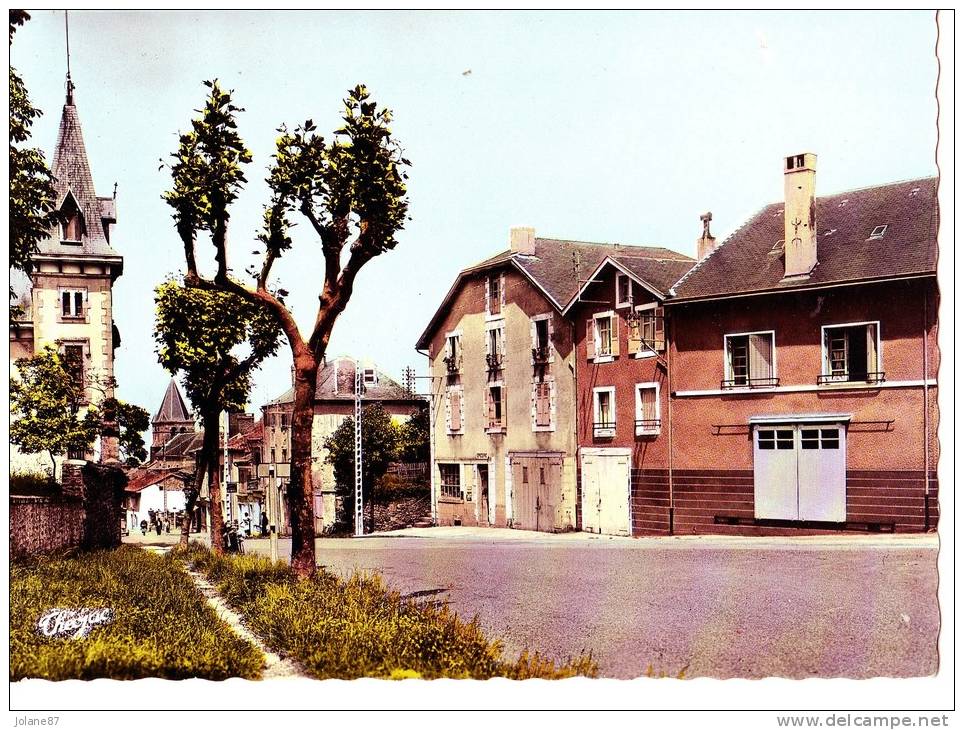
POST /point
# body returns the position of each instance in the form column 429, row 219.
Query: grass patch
column 161, row 627
column 346, row 629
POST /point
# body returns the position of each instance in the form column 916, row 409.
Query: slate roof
column 173, row 409
column 385, row 388
column 72, row 174
column 558, row 265
column 181, row 446
column 745, row 262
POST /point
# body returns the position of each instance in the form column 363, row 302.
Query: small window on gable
column 493, row 294
column 878, row 232
column 72, row 224
column 369, row 376
column 623, row 290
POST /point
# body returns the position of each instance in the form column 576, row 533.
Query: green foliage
column 347, row 629
column 33, row 484
column 45, row 406
column 128, row 422
column 32, row 196
column 380, row 436
column 413, row 444
column 202, row 333
column 392, row 489
column 161, row 625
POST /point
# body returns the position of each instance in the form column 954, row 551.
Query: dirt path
column 275, row 667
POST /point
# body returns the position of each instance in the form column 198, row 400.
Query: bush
column 353, row 628
column 161, row 626
column 392, row 488
column 33, row 484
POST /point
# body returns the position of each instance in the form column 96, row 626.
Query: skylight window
column 878, row 232
column 830, row 231
column 843, row 202
column 914, row 191
column 777, row 247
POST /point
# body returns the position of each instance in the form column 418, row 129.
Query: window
column 72, row 303
column 493, row 294
column 451, row 484
column 750, row 360
column 453, row 353
column 604, row 413
column 525, row 475
column 781, row 439
column 284, row 456
column 623, row 290
column 369, row 376
column 73, row 361
column 496, row 408
column 645, row 337
column 851, row 354
column 494, row 348
column 453, row 410
column 878, row 232
column 72, row 223
column 274, row 457
column 602, row 337
column 543, row 404
column 647, row 409
column 541, row 352
column 284, row 420
column 820, row 438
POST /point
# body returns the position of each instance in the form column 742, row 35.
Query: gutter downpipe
column 927, row 427
column 431, row 438
column 667, row 322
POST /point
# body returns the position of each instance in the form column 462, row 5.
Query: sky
column 593, row 126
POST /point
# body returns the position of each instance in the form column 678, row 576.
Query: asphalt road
column 688, row 610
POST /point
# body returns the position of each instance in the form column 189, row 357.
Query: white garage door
column 800, row 472
column 605, row 491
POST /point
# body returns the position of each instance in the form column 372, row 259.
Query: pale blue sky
column 615, row 127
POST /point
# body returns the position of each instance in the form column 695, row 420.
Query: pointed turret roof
column 72, row 177
column 173, row 409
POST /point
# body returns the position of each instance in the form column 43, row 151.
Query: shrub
column 353, row 628
column 161, row 625
column 33, row 484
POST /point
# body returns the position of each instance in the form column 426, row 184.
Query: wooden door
column 822, row 473
column 775, row 473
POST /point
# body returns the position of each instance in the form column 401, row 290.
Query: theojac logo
column 75, row 623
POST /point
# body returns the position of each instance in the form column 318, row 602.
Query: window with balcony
column 541, row 353
column 851, row 354
column 645, row 337
column 494, row 348
column 604, row 412
column 453, row 354
column 450, row 480
column 647, row 409
column 750, row 361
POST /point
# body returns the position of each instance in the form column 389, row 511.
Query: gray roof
column 559, row 266
column 72, row 175
column 747, row 262
column 173, row 409
column 326, row 389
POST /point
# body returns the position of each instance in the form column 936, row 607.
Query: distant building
column 67, row 300
column 172, row 418
column 334, row 402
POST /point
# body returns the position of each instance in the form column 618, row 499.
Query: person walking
column 144, row 527
column 264, row 524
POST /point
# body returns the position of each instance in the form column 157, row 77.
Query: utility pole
column 272, row 511
column 225, row 472
column 431, row 438
column 359, row 511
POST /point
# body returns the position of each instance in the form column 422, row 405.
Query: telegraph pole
column 359, row 511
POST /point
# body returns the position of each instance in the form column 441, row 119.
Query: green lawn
column 161, row 627
column 357, row 628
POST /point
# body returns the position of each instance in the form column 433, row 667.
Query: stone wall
column 85, row 515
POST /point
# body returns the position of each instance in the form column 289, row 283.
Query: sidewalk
column 927, row 541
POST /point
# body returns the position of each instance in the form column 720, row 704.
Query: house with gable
column 502, row 363
column 802, row 366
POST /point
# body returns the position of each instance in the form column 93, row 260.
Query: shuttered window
column 496, row 407
column 851, row 354
column 543, row 406
column 750, row 361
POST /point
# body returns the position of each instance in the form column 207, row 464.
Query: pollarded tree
column 45, row 408
column 352, row 192
column 216, row 340
column 380, row 441
column 32, row 197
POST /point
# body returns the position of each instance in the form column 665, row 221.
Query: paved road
column 691, row 608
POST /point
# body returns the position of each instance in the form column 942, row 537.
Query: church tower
column 67, row 300
column 172, row 418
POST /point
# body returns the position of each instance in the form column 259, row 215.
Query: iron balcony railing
column 647, row 426
column 739, row 383
column 494, row 362
column 540, row 355
column 604, row 429
column 874, row 377
column 451, row 363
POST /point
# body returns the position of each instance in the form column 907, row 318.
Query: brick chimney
column 799, row 214
column 522, row 240
column 705, row 243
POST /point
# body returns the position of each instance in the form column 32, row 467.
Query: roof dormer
column 71, row 220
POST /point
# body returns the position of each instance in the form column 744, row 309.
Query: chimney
column 799, row 214
column 705, row 243
column 522, row 240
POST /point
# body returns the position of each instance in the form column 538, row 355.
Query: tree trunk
column 209, row 449
column 300, row 492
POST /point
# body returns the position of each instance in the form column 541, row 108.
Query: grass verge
column 161, row 626
column 346, row 629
